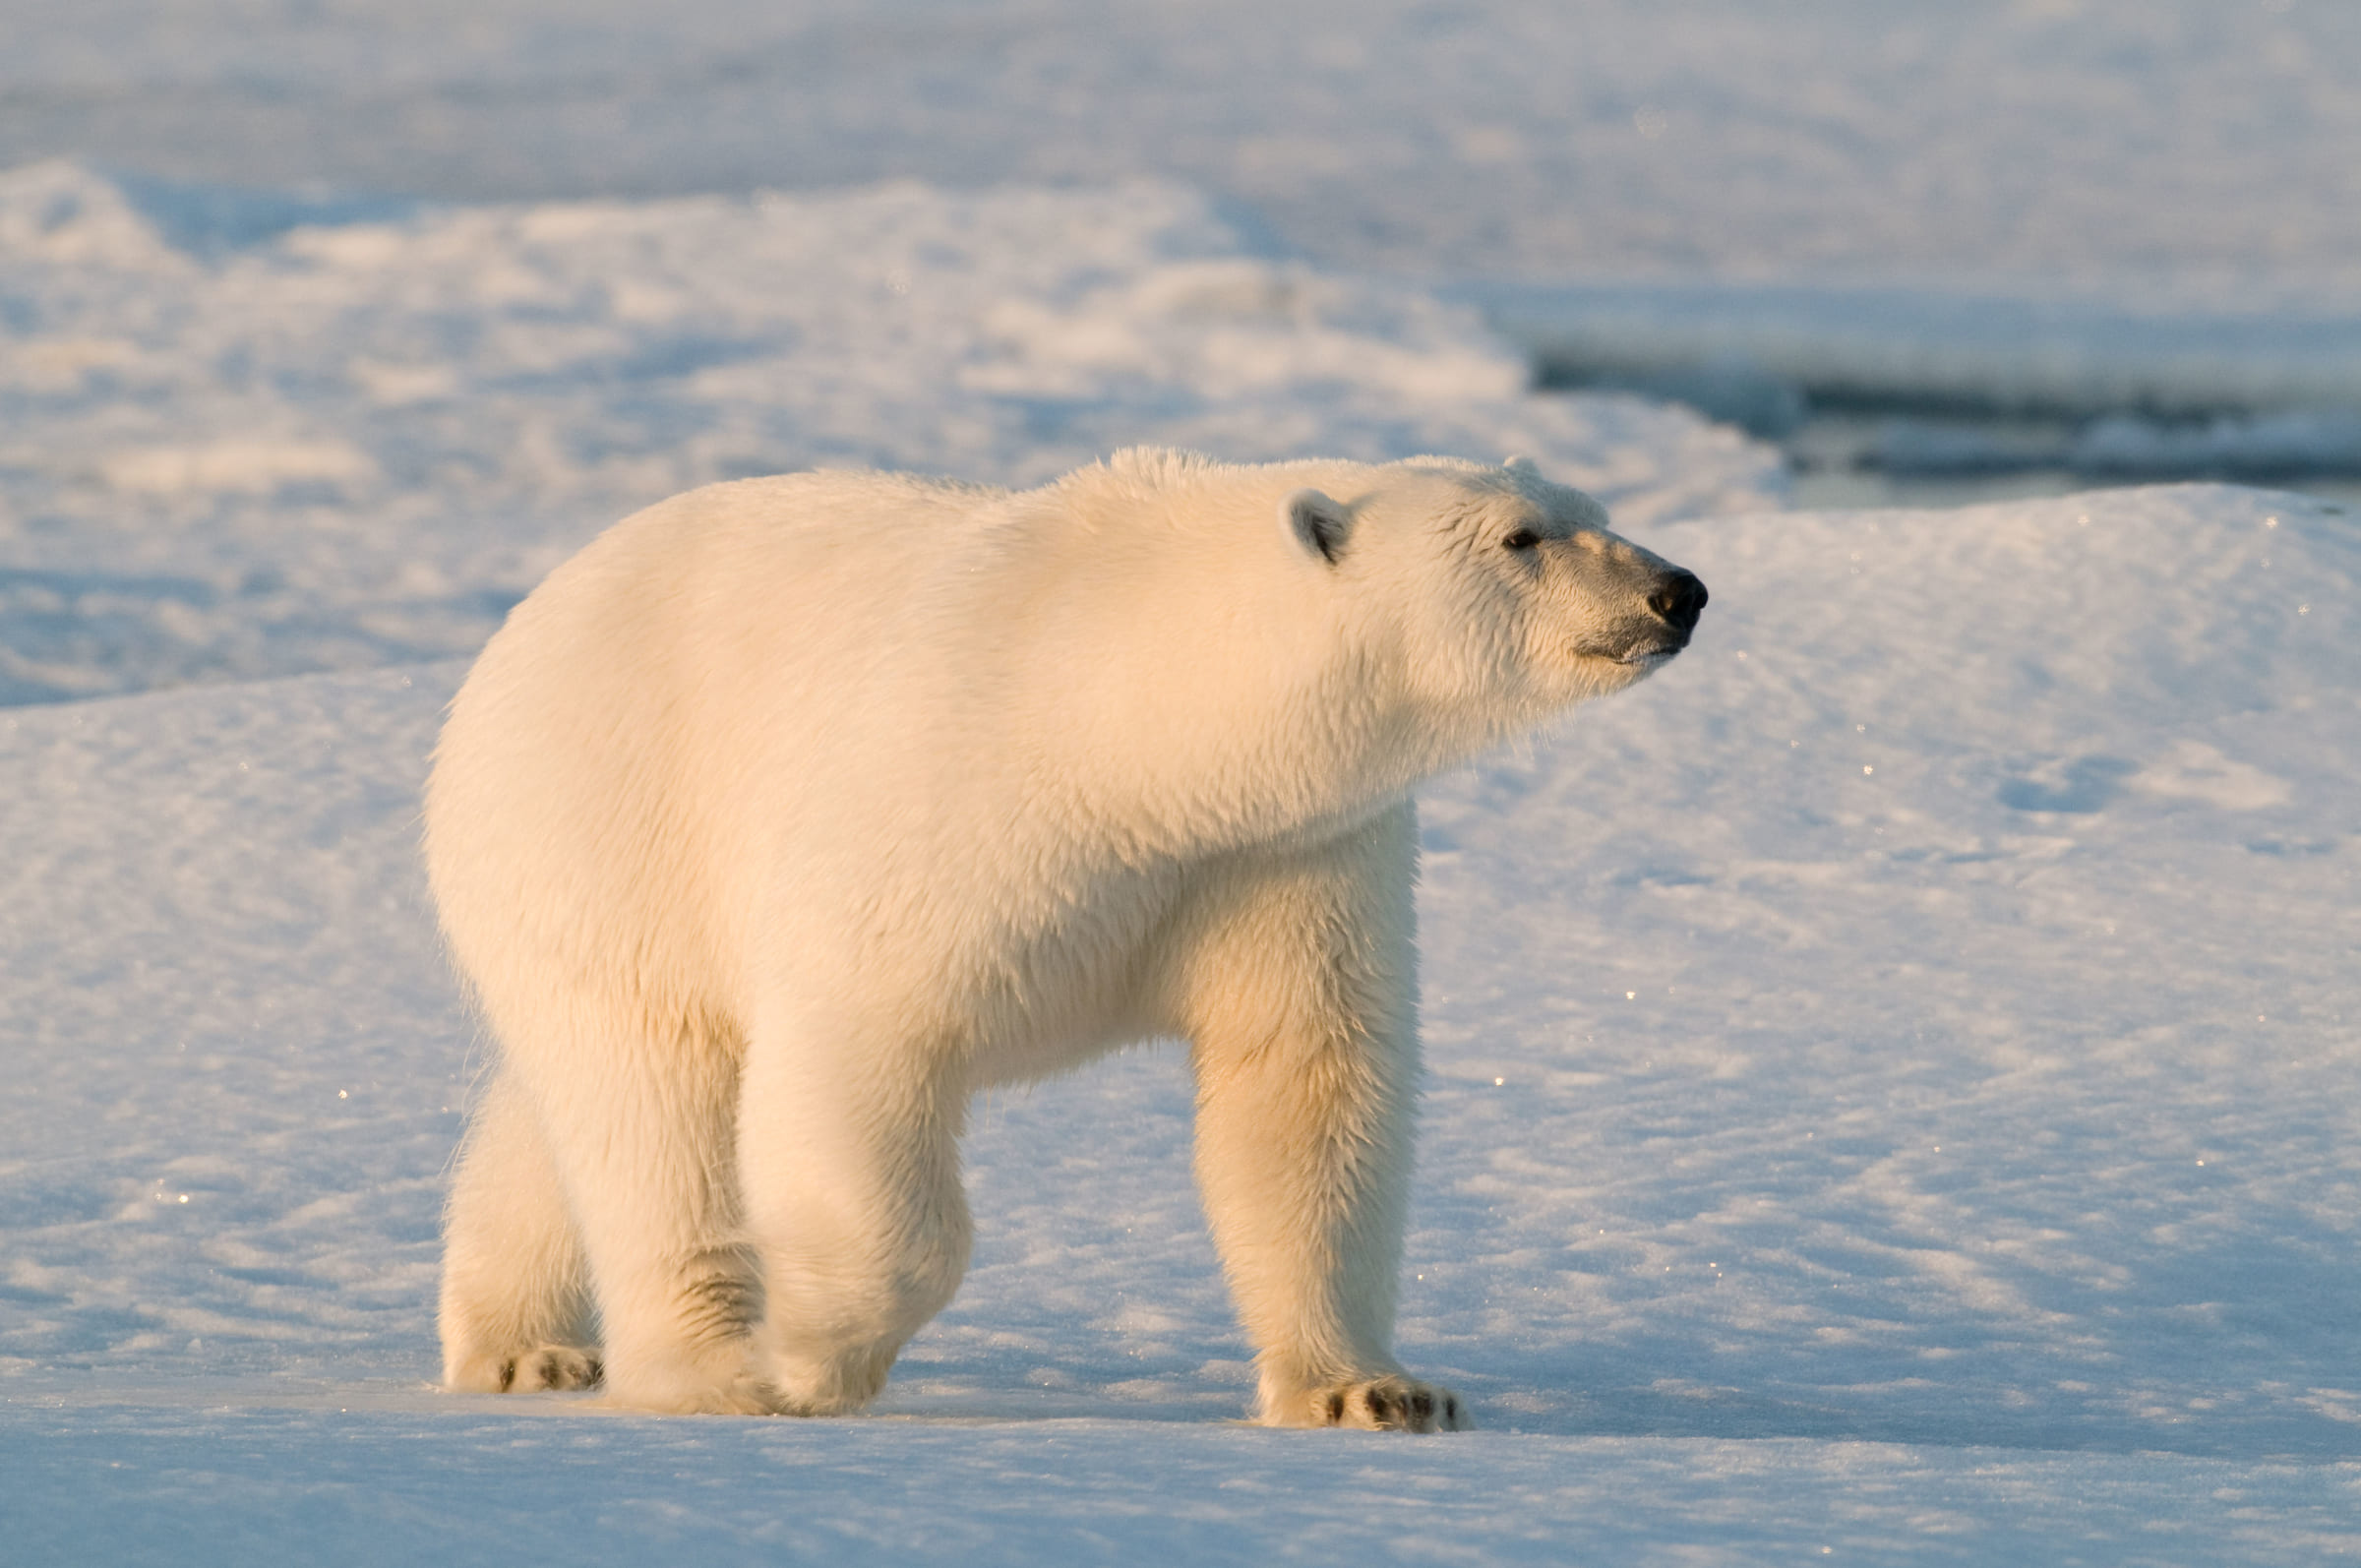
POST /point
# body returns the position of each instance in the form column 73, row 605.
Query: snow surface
column 245, row 436
column 1893, row 1090
column 1825, row 1039
column 2178, row 149
column 2019, row 201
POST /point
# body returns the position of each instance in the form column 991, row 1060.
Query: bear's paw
column 557, row 1368
column 1392, row 1403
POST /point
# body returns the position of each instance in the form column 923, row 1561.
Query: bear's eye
column 1522, row 539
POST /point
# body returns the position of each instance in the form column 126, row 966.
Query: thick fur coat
column 793, row 812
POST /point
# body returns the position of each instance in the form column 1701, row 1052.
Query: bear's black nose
column 1679, row 598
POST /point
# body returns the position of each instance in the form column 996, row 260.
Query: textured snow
column 2042, row 200
column 254, row 436
column 2167, row 148
column 175, row 1484
column 1893, row 1086
column 1893, row 1078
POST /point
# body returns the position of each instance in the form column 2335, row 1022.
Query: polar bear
column 793, row 812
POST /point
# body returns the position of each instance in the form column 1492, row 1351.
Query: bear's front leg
column 1295, row 984
column 849, row 1164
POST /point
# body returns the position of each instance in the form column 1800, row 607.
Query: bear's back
column 819, row 693
column 674, row 697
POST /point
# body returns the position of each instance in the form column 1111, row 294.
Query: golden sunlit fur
column 793, row 812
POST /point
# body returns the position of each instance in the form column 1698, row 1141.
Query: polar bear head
column 1297, row 640
column 1489, row 597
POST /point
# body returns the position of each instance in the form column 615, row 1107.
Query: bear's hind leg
column 851, row 1175
column 639, row 1120
column 515, row 1297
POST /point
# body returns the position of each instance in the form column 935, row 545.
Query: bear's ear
column 1319, row 523
column 1521, row 464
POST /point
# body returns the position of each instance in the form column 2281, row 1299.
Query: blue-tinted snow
column 2011, row 202
column 2157, row 148
column 203, row 1482
column 1892, row 1084
column 1824, row 1040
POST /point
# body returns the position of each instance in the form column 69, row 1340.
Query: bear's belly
column 1044, row 990
column 1072, row 994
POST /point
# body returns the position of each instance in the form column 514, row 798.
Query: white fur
column 791, row 811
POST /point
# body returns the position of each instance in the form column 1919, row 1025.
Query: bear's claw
column 554, row 1368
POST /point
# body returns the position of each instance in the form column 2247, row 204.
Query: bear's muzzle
column 1674, row 600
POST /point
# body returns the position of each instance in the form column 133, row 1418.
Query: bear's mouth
column 1648, row 656
column 1648, row 659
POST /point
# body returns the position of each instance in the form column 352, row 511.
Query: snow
column 2167, row 148
column 2049, row 199
column 1893, row 1077
column 170, row 1485
column 1892, row 1086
